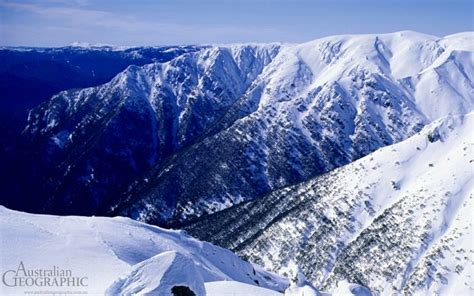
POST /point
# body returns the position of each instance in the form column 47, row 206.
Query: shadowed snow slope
column 166, row 142
column 398, row 220
column 145, row 258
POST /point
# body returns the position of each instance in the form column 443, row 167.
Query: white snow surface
column 133, row 256
column 407, row 59
column 158, row 275
column 299, row 285
column 305, row 290
column 226, row 288
column 344, row 288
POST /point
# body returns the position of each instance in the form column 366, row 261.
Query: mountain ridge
column 304, row 110
column 468, row 95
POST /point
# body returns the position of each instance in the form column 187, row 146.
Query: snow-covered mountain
column 30, row 76
column 348, row 156
column 118, row 256
column 398, row 221
column 47, row 71
column 315, row 107
column 214, row 127
column 98, row 140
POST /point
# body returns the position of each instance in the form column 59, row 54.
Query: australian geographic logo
column 53, row 277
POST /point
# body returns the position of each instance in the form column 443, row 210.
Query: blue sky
column 160, row 22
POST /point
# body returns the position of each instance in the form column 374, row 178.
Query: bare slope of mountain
column 396, row 221
column 209, row 129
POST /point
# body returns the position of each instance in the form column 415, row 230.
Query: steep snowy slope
column 30, row 76
column 167, row 142
column 47, row 71
column 397, row 221
column 94, row 142
column 132, row 256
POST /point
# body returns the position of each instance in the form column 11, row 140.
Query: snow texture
column 395, row 221
column 129, row 256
